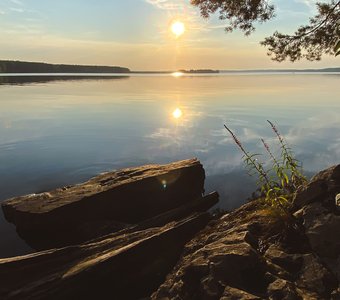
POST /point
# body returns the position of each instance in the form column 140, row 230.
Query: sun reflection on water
column 177, row 74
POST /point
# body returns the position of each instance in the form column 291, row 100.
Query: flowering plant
column 284, row 177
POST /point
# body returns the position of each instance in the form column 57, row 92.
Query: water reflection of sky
column 62, row 132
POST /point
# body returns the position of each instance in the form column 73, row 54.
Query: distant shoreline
column 23, row 67
column 323, row 70
column 9, row 66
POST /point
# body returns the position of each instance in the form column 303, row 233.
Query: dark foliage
column 310, row 41
column 320, row 36
column 240, row 14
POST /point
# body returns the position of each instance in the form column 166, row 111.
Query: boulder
column 320, row 217
column 106, row 203
column 253, row 252
column 290, row 263
column 323, row 187
column 322, row 229
column 258, row 252
column 315, row 191
column 314, row 278
column 230, row 293
column 220, row 263
column 283, row 290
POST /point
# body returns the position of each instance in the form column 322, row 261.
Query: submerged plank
column 126, row 266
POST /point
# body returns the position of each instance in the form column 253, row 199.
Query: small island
column 199, row 71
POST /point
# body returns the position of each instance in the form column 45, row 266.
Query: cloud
column 167, row 4
column 316, row 128
column 309, row 3
column 316, row 141
column 17, row 2
column 15, row 9
column 217, row 26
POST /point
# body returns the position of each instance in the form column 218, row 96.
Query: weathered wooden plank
column 104, row 204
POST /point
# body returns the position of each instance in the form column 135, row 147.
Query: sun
column 177, row 28
column 177, row 113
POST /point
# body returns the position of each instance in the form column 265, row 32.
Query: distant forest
column 10, row 66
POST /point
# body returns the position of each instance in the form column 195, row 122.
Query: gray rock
column 323, row 187
column 322, row 231
column 291, row 263
column 253, row 253
column 314, row 191
column 221, row 263
column 329, row 174
column 283, row 290
column 321, row 220
column 231, row 293
column 315, row 279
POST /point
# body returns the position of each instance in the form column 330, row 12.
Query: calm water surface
column 59, row 132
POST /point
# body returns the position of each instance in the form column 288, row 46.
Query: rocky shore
column 146, row 233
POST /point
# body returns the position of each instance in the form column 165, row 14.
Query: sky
column 136, row 34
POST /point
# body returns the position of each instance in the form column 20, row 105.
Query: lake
column 56, row 131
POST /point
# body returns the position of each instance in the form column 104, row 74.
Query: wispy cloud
column 217, row 26
column 167, row 4
column 15, row 9
column 17, row 2
column 309, row 3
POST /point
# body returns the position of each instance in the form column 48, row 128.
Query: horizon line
column 179, row 69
